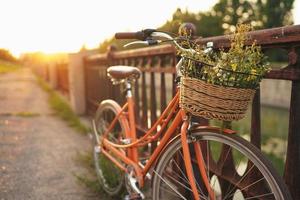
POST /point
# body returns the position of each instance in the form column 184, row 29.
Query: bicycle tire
column 110, row 177
column 259, row 180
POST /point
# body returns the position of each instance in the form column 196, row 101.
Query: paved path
column 36, row 153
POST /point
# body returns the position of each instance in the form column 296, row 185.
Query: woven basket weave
column 214, row 101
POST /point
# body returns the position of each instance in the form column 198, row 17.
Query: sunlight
column 61, row 25
column 65, row 26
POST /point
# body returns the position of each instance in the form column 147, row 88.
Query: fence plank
column 255, row 121
column 144, row 105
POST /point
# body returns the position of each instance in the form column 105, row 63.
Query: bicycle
column 186, row 164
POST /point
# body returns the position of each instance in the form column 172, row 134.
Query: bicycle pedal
column 133, row 197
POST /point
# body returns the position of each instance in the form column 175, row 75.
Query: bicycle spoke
column 170, row 192
column 184, row 176
column 259, row 196
column 255, row 182
column 169, row 185
column 248, row 186
column 238, row 182
column 234, row 175
column 229, row 173
column 178, row 182
column 186, row 179
column 183, row 185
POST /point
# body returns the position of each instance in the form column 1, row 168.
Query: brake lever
column 147, row 33
column 209, row 47
column 135, row 42
column 148, row 42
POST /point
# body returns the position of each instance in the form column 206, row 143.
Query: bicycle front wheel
column 235, row 169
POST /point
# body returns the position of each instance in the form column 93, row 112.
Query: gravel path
column 36, row 153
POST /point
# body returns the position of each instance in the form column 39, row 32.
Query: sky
column 66, row 25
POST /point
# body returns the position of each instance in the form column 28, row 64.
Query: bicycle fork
column 188, row 162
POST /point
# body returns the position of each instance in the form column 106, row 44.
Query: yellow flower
column 253, row 71
column 233, row 66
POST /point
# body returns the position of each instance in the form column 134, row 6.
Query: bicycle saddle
column 123, row 72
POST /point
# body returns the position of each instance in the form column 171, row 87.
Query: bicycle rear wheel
column 109, row 175
column 234, row 167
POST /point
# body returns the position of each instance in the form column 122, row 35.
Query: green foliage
column 87, row 179
column 241, row 66
column 260, row 14
column 223, row 17
column 274, row 13
column 274, row 128
column 27, row 114
column 232, row 12
column 209, row 25
column 7, row 56
column 178, row 18
column 6, row 66
column 92, row 184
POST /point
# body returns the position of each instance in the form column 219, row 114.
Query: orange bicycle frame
column 132, row 158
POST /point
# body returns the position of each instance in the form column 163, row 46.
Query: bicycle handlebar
column 139, row 35
column 146, row 37
column 130, row 35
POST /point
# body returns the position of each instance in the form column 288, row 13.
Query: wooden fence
column 158, row 74
column 155, row 63
column 288, row 40
column 62, row 72
column 57, row 74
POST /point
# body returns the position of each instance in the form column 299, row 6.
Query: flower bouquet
column 221, row 84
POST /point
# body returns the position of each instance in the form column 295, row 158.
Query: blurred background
column 52, row 26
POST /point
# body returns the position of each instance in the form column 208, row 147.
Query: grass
column 62, row 108
column 7, row 67
column 89, row 180
column 274, row 126
column 26, row 114
column 21, row 114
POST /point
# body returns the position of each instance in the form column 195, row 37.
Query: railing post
column 77, row 81
column 292, row 166
column 113, row 91
column 53, row 75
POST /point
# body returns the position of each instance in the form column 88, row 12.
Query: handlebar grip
column 140, row 35
column 130, row 35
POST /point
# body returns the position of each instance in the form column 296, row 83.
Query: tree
column 232, row 12
column 274, row 13
column 209, row 25
column 259, row 13
column 178, row 18
column 7, row 56
column 224, row 16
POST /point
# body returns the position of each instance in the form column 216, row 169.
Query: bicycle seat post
column 128, row 89
column 131, row 135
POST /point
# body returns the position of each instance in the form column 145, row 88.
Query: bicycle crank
column 131, row 184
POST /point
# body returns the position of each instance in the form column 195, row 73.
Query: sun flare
column 65, row 26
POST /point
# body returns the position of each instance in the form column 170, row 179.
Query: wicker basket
column 214, row 101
